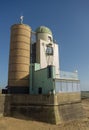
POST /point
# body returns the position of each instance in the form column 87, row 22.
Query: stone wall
column 69, row 112
column 63, row 98
column 32, row 99
column 39, row 112
column 2, row 101
column 46, row 108
column 5, row 105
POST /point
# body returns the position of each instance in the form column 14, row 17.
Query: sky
column 69, row 22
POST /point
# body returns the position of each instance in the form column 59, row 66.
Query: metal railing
column 69, row 75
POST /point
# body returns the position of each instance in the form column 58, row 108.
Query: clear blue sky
column 69, row 22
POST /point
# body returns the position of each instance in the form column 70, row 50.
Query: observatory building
column 45, row 74
column 35, row 82
column 34, row 66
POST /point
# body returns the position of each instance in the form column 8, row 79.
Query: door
column 40, row 90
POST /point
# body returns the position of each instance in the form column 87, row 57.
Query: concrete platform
column 45, row 108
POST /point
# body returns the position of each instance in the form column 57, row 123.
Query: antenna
column 21, row 19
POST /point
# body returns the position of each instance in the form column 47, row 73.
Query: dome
column 43, row 29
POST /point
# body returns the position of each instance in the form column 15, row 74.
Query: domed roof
column 43, row 29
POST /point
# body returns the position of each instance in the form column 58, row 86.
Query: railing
column 69, row 75
column 70, row 85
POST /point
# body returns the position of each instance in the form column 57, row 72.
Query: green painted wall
column 39, row 79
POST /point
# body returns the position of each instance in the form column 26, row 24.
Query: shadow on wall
column 30, row 107
column 7, row 104
column 20, row 86
column 41, row 108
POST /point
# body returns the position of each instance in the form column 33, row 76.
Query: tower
column 47, row 52
column 19, row 59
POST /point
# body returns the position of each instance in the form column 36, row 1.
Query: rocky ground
column 8, row 123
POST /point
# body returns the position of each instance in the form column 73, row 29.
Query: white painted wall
column 45, row 60
column 56, row 60
column 44, row 36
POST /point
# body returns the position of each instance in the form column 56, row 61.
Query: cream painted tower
column 47, row 52
column 19, row 59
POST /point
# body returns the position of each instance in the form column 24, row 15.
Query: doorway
column 40, row 90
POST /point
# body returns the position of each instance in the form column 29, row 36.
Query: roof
column 43, row 29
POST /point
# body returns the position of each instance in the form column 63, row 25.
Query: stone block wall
column 2, row 103
column 64, row 98
column 69, row 112
column 47, row 108
column 32, row 99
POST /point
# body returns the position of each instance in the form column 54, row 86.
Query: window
column 49, row 38
column 49, row 50
column 49, row 68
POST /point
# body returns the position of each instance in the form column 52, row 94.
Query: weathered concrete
column 70, row 112
column 63, row 98
column 2, row 101
column 4, row 105
column 48, row 108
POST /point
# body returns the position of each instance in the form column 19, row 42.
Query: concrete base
column 40, row 107
column 69, row 112
column 49, row 114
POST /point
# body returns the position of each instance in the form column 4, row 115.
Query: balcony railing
column 68, row 75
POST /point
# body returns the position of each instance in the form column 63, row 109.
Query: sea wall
column 47, row 108
column 63, row 98
column 2, row 105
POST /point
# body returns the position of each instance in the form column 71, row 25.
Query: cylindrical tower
column 19, row 59
column 45, row 35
